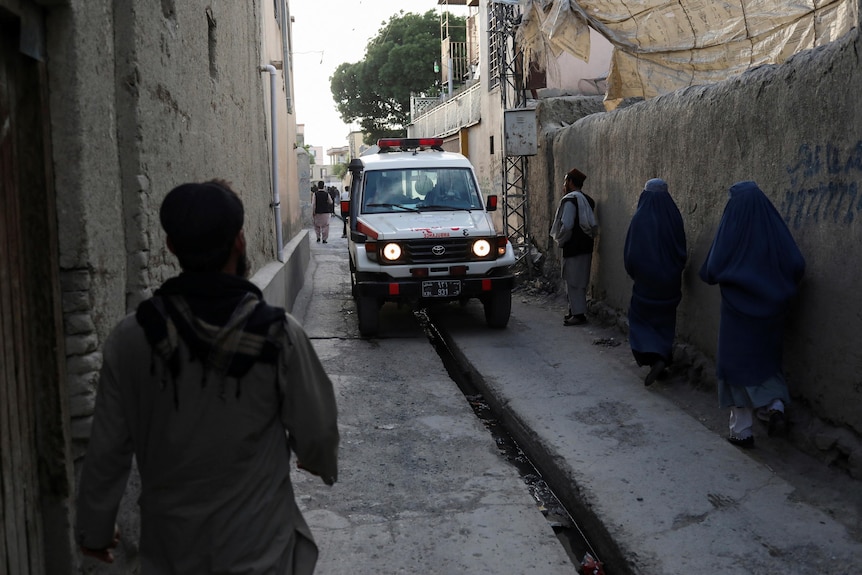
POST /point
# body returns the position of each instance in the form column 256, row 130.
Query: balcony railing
column 432, row 117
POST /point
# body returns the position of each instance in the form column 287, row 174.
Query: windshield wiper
column 408, row 208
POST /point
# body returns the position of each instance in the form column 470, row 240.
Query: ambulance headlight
column 481, row 248
column 392, row 252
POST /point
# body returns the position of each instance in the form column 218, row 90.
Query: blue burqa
column 758, row 266
column 655, row 255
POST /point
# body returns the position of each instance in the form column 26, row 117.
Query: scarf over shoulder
column 222, row 319
column 215, row 464
column 561, row 230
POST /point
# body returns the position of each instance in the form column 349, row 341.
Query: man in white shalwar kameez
column 574, row 229
column 209, row 388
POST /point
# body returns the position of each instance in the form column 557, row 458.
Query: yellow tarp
column 664, row 45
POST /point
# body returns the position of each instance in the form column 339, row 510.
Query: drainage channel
column 568, row 532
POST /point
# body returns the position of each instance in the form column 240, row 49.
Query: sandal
column 744, row 442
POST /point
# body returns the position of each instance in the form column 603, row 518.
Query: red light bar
column 410, row 143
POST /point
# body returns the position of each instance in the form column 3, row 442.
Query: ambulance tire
column 498, row 307
column 368, row 314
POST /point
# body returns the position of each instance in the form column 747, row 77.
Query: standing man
column 209, row 388
column 321, row 209
column 574, row 230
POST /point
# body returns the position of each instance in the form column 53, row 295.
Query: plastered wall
column 796, row 129
column 145, row 96
column 191, row 107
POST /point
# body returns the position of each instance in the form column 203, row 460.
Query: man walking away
column 321, row 208
column 209, row 389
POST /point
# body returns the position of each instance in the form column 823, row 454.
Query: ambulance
column 421, row 233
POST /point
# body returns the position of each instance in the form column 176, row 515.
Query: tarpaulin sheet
column 664, row 45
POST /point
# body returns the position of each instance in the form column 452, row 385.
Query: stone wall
column 794, row 129
column 146, row 96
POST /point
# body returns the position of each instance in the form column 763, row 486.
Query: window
column 431, row 189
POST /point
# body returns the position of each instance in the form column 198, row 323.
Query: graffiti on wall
column 834, row 198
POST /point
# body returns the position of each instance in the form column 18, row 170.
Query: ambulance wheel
column 498, row 307
column 368, row 313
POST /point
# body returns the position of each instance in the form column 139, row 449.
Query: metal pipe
column 451, row 72
column 276, row 202
column 287, row 67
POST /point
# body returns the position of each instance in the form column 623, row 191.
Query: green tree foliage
column 399, row 60
column 311, row 160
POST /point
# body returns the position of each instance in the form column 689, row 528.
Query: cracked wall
column 795, row 130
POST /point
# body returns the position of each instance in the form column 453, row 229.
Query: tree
column 339, row 170
column 398, row 61
column 311, row 159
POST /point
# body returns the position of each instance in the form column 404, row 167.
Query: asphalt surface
column 646, row 471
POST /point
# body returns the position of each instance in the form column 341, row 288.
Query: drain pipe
column 286, row 41
column 276, row 202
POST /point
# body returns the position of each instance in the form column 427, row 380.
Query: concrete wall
column 792, row 128
column 90, row 215
column 145, row 96
column 192, row 107
column 285, row 136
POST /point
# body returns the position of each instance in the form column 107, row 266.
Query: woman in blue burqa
column 758, row 267
column 654, row 258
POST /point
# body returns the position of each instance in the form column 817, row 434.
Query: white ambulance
column 421, row 233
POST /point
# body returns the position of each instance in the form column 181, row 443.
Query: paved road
column 422, row 488
column 647, row 471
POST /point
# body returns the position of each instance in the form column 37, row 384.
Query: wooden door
column 34, row 472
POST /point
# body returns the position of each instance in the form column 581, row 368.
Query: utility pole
column 508, row 67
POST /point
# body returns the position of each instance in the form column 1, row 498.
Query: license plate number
column 441, row 288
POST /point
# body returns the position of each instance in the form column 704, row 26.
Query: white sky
column 327, row 33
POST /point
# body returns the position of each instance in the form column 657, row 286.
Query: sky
column 327, row 33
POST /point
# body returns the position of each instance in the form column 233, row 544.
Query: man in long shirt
column 574, row 230
column 321, row 212
column 209, row 388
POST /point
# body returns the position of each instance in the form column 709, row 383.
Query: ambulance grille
column 426, row 251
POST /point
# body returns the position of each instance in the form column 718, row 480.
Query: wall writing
column 835, row 197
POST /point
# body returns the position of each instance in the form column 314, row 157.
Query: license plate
column 441, row 288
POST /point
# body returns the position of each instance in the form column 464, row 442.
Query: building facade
column 701, row 140
column 105, row 107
